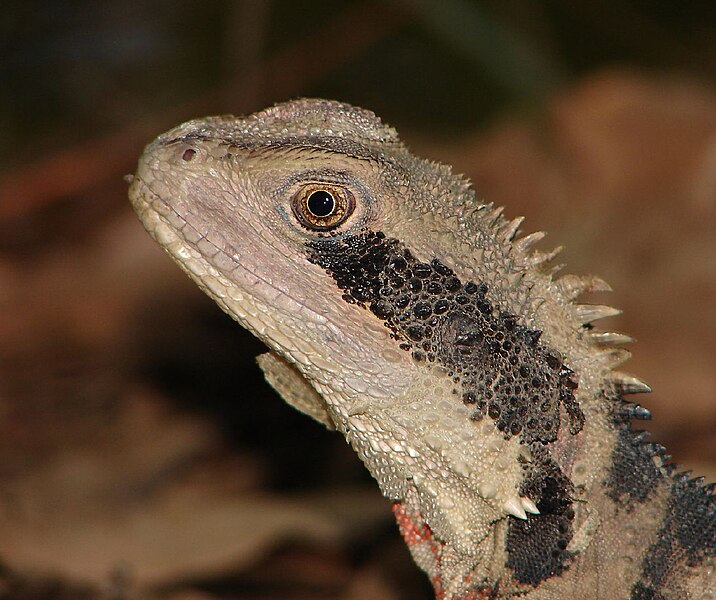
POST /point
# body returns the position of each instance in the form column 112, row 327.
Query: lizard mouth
column 245, row 286
column 235, row 285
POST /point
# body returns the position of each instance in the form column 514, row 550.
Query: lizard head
column 240, row 204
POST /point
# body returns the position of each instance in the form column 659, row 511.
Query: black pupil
column 321, row 203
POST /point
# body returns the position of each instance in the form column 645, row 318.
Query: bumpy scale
column 406, row 314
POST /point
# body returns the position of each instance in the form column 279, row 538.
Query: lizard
column 417, row 320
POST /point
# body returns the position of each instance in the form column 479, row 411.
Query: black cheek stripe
column 498, row 366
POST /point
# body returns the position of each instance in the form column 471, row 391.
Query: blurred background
column 141, row 454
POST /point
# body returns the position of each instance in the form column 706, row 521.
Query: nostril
column 188, row 154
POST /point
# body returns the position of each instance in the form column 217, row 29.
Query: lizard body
column 408, row 315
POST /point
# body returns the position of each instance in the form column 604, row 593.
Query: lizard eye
column 322, row 206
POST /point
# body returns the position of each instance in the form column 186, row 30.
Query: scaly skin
column 406, row 314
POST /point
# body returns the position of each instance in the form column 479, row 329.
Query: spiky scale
column 615, row 357
column 509, row 231
column 610, row 338
column 573, row 286
column 636, row 411
column 541, row 260
column 629, row 384
column 588, row 313
column 529, row 506
column 514, row 507
column 525, row 244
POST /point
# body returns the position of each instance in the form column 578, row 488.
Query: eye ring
column 322, row 206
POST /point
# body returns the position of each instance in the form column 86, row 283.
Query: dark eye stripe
column 496, row 366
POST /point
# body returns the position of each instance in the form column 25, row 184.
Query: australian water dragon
column 412, row 317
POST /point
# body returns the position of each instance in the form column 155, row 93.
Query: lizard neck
column 490, row 422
